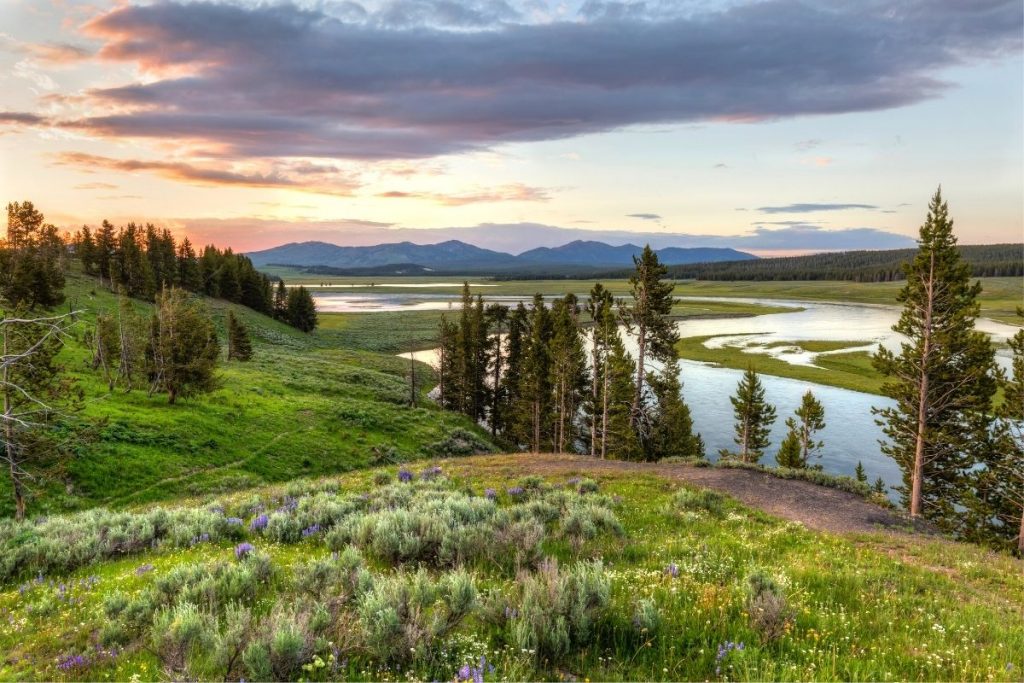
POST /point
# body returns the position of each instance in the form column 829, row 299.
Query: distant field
column 999, row 300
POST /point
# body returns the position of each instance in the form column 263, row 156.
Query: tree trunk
column 638, row 395
column 536, row 425
column 593, row 393
column 9, row 449
column 604, row 413
column 922, row 398
column 745, row 439
column 1020, row 538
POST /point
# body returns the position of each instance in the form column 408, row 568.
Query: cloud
column 421, row 78
column 515, row 192
column 20, row 118
column 644, row 216
column 96, row 186
column 813, row 208
column 176, row 170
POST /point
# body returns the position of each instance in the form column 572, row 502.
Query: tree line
column 988, row 260
column 139, row 262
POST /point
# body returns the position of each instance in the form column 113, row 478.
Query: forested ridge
column 985, row 260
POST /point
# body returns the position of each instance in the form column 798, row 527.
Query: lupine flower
column 723, row 651
column 289, row 504
column 234, row 521
column 404, row 475
column 574, row 480
column 672, row 570
column 143, row 569
column 515, row 491
column 490, row 494
column 69, row 662
column 311, row 531
column 259, row 523
column 511, row 612
column 242, row 550
column 430, row 473
column 474, row 673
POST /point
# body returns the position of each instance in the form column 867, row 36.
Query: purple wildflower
column 490, row 494
column 515, row 491
column 234, row 521
column 404, row 475
column 312, row 530
column 430, row 473
column 672, row 570
column 143, row 569
column 242, row 550
column 259, row 523
column 474, row 673
column 723, row 651
column 69, row 662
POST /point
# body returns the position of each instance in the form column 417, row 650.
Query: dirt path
column 816, row 507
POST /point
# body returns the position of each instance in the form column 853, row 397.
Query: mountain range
column 455, row 255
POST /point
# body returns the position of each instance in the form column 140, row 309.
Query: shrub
column 405, row 615
column 179, row 633
column 646, row 618
column 459, row 442
column 559, row 610
column 381, row 478
column 700, row 499
column 769, row 612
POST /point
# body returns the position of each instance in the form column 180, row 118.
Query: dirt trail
column 816, row 507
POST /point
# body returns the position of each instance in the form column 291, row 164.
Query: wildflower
column 242, row 550
column 233, row 521
column 515, row 491
column 490, row 494
column 311, row 531
column 143, row 569
column 723, row 651
column 69, row 662
column 404, row 475
column 259, row 523
column 430, row 473
column 672, row 570
column 511, row 612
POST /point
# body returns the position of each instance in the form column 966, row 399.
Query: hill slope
column 689, row 586
column 301, row 407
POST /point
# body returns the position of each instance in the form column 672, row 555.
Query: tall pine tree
column 942, row 379
column 754, row 418
column 800, row 445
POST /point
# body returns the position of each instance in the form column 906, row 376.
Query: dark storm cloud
column 419, row 78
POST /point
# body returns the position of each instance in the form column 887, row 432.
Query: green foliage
column 300, row 309
column 799, row 446
column 32, row 260
column 699, row 499
column 942, row 380
column 754, row 418
column 769, row 611
column 239, row 343
column 183, row 350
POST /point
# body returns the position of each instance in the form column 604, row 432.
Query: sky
column 773, row 126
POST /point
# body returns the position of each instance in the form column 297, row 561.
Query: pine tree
column 301, row 309
column 106, row 245
column 34, row 391
column 754, row 418
column 512, row 426
column 646, row 317
column 130, row 271
column 239, row 344
column 599, row 306
column 32, row 259
column 996, row 510
column 799, row 446
column 183, row 348
column 85, row 250
column 535, row 379
column 879, row 486
column 497, row 317
column 619, row 437
column 281, row 301
column 568, row 372
column 860, row 474
column 672, row 432
column 942, row 380
column 447, row 369
column 188, row 267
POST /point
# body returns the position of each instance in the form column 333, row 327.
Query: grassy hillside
column 432, row 578
column 302, row 407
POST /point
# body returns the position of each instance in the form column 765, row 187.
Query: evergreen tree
column 535, row 380
column 301, row 309
column 646, row 317
column 942, row 380
column 106, row 245
column 996, row 510
column 33, row 392
column 497, row 318
column 281, row 301
column 183, row 347
column 188, row 267
column 619, row 437
column 754, row 418
column 518, row 324
column 85, row 250
column 568, row 372
column 799, row 446
column 31, row 259
column 131, row 273
column 239, row 344
column 879, row 486
column 860, row 474
column 671, row 432
column 599, row 306
column 447, row 366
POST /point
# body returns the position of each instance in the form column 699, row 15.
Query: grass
column 302, row 407
column 862, row 607
column 851, row 370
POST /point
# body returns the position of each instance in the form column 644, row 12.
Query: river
column 850, row 435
